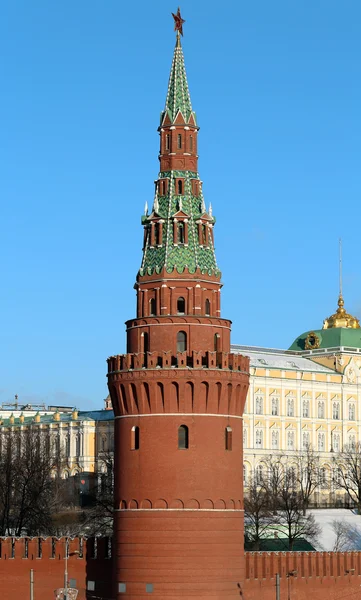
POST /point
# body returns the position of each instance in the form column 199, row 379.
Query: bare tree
column 99, row 519
column 347, row 474
column 290, row 504
column 258, row 514
column 27, row 483
column 307, row 474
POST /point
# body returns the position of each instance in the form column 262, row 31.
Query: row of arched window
column 181, row 307
column 183, row 438
column 181, row 342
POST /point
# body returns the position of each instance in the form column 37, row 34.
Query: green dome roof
column 328, row 338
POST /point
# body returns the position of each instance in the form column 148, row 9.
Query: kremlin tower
column 178, row 394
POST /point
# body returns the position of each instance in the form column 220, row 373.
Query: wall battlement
column 180, row 360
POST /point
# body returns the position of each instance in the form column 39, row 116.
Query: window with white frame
column 306, row 408
column 321, row 410
column 290, row 440
column 259, row 474
column 352, row 442
column 336, row 410
column 259, row 438
column 321, row 442
column 275, row 404
column 323, row 477
column 259, row 405
column 290, row 407
column 275, row 440
column 244, row 438
column 336, row 442
column 305, row 440
column 351, row 411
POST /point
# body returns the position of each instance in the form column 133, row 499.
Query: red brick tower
column 178, row 394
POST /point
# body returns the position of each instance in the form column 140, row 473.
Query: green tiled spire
column 194, row 253
column 171, row 254
column 178, row 97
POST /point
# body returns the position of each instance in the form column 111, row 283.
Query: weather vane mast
column 178, row 22
column 340, row 264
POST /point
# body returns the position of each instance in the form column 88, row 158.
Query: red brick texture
column 303, row 575
column 46, row 558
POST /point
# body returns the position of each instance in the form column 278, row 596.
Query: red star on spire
column 178, row 22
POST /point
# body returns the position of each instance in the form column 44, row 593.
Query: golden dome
column 341, row 318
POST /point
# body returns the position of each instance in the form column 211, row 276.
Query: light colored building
column 307, row 395
column 84, row 437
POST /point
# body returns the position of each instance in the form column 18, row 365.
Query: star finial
column 178, row 22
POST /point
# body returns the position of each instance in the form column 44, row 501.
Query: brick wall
column 303, row 575
column 46, row 558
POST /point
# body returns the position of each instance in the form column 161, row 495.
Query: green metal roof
column 330, row 338
column 178, row 97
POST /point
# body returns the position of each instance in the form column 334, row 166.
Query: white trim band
column 179, row 414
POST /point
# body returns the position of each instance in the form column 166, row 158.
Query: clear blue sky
column 276, row 86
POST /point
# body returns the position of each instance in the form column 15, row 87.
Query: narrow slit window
column 228, row 438
column 180, row 233
column 145, row 342
column 216, row 342
column 191, row 143
column 181, row 341
column 134, row 444
column 183, row 438
column 179, row 140
column 207, row 308
column 181, row 306
column 167, row 141
column 152, row 307
column 180, row 186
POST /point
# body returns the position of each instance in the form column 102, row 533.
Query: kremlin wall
column 178, row 396
column 327, row 576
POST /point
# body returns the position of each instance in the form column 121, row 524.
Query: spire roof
column 178, row 97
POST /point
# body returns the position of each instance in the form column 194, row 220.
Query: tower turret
column 178, row 394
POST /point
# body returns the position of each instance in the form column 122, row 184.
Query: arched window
column 179, row 140
column 290, row 440
column 167, row 141
column 145, row 343
column 183, row 441
column 204, row 232
column 259, row 405
column 321, row 442
column 305, row 441
column 181, row 306
column 306, row 409
column 274, row 406
column 336, row 410
column 290, row 407
column 180, row 186
column 259, row 438
column 216, row 342
column 77, row 445
column 259, row 475
column 180, row 233
column 156, row 233
column 275, row 440
column 181, row 341
column 321, row 410
column 207, row 308
column 228, row 438
column 134, row 438
column 152, row 307
column 336, row 442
